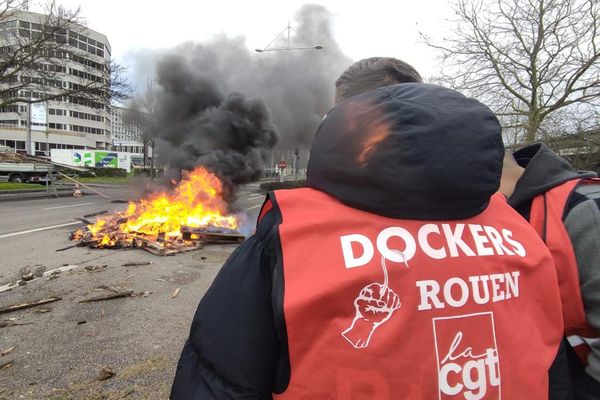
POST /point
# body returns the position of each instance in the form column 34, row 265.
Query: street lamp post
column 28, row 143
column 288, row 30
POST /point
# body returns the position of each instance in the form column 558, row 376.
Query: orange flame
column 196, row 202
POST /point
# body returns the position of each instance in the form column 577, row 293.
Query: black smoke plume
column 201, row 115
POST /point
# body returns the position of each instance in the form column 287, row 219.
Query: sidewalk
column 8, row 195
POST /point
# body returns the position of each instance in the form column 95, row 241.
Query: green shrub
column 268, row 186
column 146, row 171
column 110, row 172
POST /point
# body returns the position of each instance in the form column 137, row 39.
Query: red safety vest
column 547, row 211
column 379, row 308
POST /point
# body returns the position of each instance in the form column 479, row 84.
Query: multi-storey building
column 73, row 121
column 128, row 137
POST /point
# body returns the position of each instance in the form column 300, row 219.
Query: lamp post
column 28, row 142
column 288, row 29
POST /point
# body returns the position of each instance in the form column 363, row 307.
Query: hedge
column 268, row 186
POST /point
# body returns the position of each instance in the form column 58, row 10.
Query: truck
column 92, row 158
column 18, row 168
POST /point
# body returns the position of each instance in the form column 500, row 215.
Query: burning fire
column 195, row 202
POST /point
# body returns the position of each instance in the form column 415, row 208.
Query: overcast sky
column 363, row 29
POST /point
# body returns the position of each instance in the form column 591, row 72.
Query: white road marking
column 71, row 205
column 58, row 270
column 247, row 209
column 45, row 228
column 256, row 196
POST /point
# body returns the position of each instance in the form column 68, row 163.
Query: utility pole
column 47, row 133
column 28, row 143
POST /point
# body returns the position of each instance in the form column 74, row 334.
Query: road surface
column 62, row 346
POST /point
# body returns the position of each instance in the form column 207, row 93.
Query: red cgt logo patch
column 467, row 357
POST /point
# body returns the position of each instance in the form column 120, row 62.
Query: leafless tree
column 582, row 145
column 527, row 59
column 142, row 113
column 34, row 55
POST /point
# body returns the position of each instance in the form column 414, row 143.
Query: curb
column 25, row 191
column 37, row 195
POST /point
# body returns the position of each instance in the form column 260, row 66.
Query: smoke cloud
column 221, row 105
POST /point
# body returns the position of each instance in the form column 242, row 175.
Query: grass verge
column 109, row 180
column 20, row 186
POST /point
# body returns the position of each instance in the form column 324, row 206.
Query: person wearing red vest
column 397, row 273
column 563, row 205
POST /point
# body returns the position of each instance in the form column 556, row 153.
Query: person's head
column 511, row 173
column 372, row 73
column 410, row 150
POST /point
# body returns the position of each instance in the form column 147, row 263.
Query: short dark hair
column 372, row 73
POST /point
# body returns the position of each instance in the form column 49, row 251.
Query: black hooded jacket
column 405, row 151
column 545, row 170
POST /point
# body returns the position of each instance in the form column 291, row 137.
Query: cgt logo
column 467, row 356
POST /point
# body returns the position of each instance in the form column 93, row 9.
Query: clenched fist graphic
column 374, row 305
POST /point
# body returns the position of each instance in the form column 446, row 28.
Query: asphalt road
column 62, row 346
column 31, row 230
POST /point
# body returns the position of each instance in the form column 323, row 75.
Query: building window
column 82, row 115
column 57, row 111
column 9, row 122
column 11, row 108
column 87, row 129
column 62, row 127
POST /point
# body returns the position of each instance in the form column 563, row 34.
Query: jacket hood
column 410, row 151
column 544, row 170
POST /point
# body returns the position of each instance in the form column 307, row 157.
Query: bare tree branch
column 526, row 59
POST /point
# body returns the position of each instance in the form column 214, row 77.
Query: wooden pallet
column 211, row 235
column 166, row 248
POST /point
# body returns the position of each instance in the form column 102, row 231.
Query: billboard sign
column 106, row 159
column 39, row 117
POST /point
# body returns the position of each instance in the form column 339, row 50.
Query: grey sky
column 363, row 29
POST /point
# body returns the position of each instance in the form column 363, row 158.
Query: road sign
column 282, row 164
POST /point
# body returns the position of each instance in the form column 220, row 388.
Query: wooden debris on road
column 175, row 293
column 16, row 307
column 136, row 263
column 95, row 214
column 7, row 365
column 166, row 248
column 117, row 293
column 130, row 392
column 105, row 373
column 211, row 235
column 5, row 352
column 66, row 248
column 85, row 221
column 12, row 322
column 95, row 268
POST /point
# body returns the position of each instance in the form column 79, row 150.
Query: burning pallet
column 211, row 235
column 191, row 238
column 167, row 248
column 182, row 219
